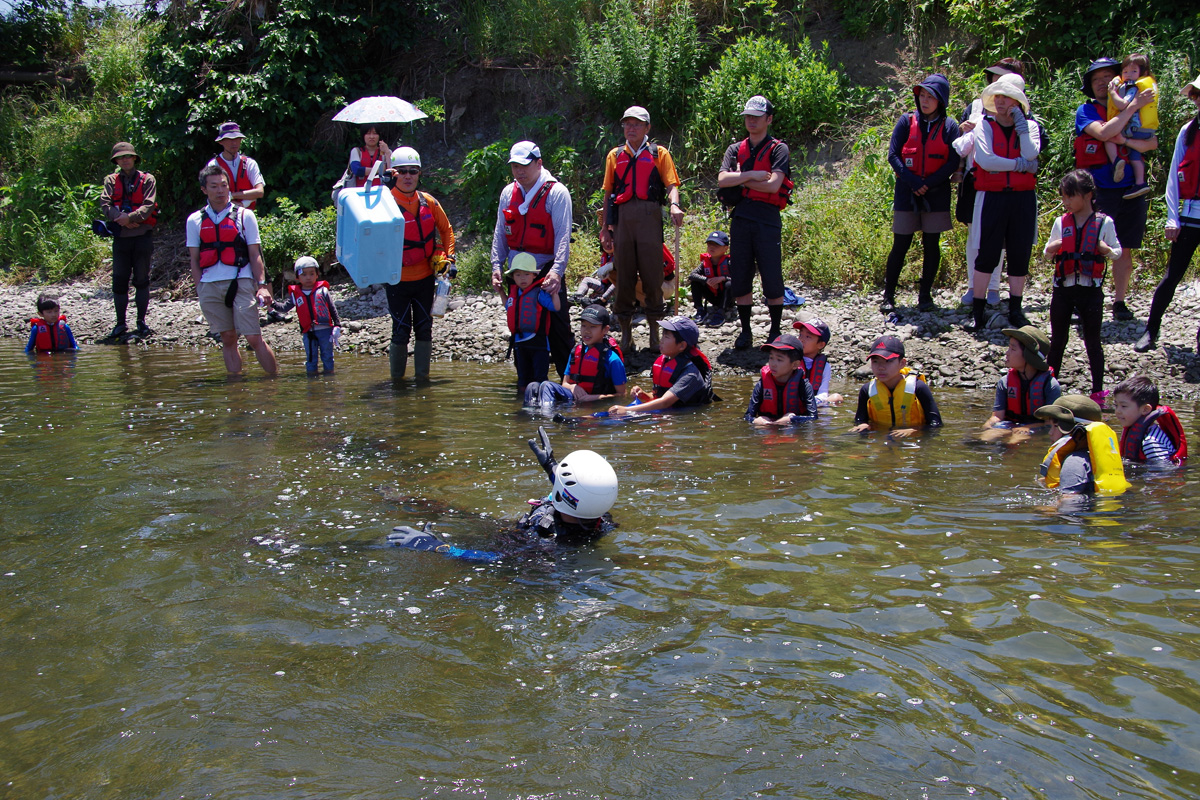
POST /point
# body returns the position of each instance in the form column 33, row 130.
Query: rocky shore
column 474, row 329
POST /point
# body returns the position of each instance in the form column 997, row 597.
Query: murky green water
column 197, row 603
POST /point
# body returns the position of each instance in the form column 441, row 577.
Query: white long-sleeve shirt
column 1108, row 235
column 985, row 157
column 1189, row 214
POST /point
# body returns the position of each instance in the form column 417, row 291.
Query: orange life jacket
column 780, row 400
column 1024, row 397
column 816, row 373
column 419, row 232
column 1004, row 145
column 1078, row 255
column 666, row 371
column 533, row 231
column 762, row 161
column 223, row 242
column 312, row 308
column 637, row 176
column 239, row 182
column 711, row 270
column 925, row 156
column 1163, row 417
column 50, row 339
column 137, row 196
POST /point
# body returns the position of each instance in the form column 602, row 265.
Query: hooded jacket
column 939, row 194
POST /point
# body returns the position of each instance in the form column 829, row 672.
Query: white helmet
column 585, row 485
column 405, row 157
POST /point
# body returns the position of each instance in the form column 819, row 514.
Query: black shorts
column 1129, row 216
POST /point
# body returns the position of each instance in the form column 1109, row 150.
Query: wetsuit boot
column 653, row 335
column 422, row 354
column 398, row 359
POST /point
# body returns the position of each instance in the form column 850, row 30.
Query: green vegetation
column 282, row 67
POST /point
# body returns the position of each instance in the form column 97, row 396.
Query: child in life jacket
column 528, row 307
column 1028, row 385
column 814, row 334
column 782, row 395
column 320, row 326
column 896, row 399
column 1150, row 432
column 1080, row 243
column 49, row 331
column 1084, row 458
column 710, row 282
column 595, row 370
column 598, row 287
column 682, row 374
column 1135, row 77
column 583, row 490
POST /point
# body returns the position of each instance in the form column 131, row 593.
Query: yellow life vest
column 1107, row 471
column 896, row 408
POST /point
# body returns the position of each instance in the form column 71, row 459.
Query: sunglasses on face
column 408, row 171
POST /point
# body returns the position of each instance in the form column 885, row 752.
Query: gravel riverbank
column 474, row 329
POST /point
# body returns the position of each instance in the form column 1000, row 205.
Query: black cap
column 719, row 238
column 596, row 314
column 786, row 342
column 887, row 347
column 816, row 327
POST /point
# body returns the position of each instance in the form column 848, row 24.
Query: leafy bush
column 633, row 57
column 288, row 234
column 45, row 230
column 809, row 95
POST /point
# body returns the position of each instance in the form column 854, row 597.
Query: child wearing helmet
column 584, row 489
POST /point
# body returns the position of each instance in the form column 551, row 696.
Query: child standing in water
column 682, row 375
column 814, row 334
column 320, row 326
column 896, row 399
column 528, row 307
column 1080, row 243
column 1135, row 76
column 49, row 332
column 783, row 395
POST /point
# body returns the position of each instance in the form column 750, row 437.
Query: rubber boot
column 653, row 335
column 422, row 353
column 625, row 321
column 398, row 359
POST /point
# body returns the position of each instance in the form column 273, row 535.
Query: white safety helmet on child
column 406, row 157
column 585, row 485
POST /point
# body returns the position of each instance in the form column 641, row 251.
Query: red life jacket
column 780, row 400
column 637, row 177
column 311, row 308
column 711, row 270
column 48, row 339
column 533, row 231
column 136, row 197
column 1078, row 254
column 419, row 232
column 1163, row 417
column 239, row 182
column 1025, row 397
column 1089, row 151
column 1005, row 146
column 666, row 371
column 816, row 373
column 668, row 264
column 525, row 313
column 925, row 156
column 589, row 366
column 762, row 160
column 223, row 242
column 367, row 161
column 1188, row 173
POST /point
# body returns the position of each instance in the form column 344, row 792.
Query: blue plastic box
column 370, row 235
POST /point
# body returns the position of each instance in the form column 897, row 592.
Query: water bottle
column 441, row 298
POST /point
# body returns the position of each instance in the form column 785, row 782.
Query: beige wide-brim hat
column 1008, row 85
column 1188, row 88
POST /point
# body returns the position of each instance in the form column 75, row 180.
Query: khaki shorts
column 243, row 317
column 921, row 221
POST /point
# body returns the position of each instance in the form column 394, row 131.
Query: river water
column 198, row 601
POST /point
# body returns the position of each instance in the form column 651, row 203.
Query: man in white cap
column 639, row 177
column 535, row 217
column 246, row 182
column 761, row 165
column 1092, row 129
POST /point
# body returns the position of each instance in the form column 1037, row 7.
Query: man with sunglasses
column 535, row 217
column 428, row 243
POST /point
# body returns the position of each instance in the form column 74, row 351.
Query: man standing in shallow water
column 228, row 270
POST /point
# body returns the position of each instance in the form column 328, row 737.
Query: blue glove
column 1022, row 165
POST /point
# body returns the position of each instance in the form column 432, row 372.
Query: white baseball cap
column 524, row 153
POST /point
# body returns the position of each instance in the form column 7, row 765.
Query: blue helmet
column 1098, row 64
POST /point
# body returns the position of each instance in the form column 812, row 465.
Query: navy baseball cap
column 887, row 348
column 683, row 327
column 718, row 238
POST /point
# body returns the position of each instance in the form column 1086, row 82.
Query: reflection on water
column 198, row 602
